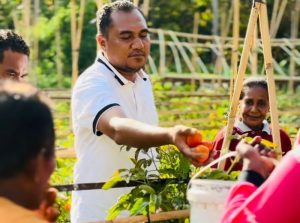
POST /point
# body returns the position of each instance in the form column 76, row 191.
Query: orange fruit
column 208, row 144
column 194, row 140
column 204, row 153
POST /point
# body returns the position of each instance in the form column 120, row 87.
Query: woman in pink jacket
column 264, row 195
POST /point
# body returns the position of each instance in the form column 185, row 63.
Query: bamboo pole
column 162, row 52
column 136, row 2
column 99, row 3
column 73, row 41
column 239, row 82
column 254, row 53
column 194, row 53
column 58, row 59
column 266, row 44
column 145, row 9
column 26, row 20
column 274, row 15
column 294, row 33
column 182, row 52
column 176, row 59
column 259, row 9
column 195, row 31
column 163, row 216
column 35, row 43
column 279, row 18
column 76, row 31
column 235, row 44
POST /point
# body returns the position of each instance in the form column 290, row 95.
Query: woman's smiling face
column 254, row 106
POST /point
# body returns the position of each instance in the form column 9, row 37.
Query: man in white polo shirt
column 113, row 105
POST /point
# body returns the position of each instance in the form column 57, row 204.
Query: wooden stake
column 146, row 5
column 279, row 17
column 266, row 44
column 162, row 52
column 259, row 9
column 163, row 216
column 235, row 44
column 294, row 33
column 254, row 53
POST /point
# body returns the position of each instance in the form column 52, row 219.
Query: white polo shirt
column 98, row 89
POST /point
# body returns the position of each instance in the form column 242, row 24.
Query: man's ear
column 101, row 40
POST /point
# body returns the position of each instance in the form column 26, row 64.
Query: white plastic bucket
column 207, row 199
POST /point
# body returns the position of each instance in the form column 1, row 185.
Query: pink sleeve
column 276, row 201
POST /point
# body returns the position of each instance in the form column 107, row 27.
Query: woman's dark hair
column 253, row 82
column 26, row 127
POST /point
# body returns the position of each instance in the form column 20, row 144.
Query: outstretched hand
column 47, row 210
column 179, row 137
column 256, row 157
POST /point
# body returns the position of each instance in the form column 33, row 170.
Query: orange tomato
column 208, row 144
column 204, row 153
column 194, row 140
column 67, row 207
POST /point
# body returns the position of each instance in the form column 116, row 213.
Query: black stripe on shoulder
column 117, row 78
column 95, row 131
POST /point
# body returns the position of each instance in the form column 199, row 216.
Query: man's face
column 128, row 44
column 14, row 66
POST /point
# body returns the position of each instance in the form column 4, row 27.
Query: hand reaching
column 256, row 157
column 179, row 138
column 47, row 210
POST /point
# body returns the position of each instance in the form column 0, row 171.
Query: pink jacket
column 275, row 201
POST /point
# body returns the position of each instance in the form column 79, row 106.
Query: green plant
column 151, row 197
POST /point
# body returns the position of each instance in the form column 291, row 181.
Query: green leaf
column 111, row 182
column 122, row 204
column 139, row 206
column 147, row 189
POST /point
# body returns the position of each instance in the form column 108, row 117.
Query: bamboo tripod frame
column 258, row 11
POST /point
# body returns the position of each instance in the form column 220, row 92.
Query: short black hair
column 104, row 14
column 253, row 82
column 10, row 40
column 26, row 127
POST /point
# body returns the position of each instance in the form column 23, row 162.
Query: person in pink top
column 264, row 195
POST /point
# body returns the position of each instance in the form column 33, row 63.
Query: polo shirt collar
column 119, row 77
column 244, row 128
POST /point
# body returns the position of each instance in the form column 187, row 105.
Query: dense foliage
column 190, row 110
column 53, row 18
